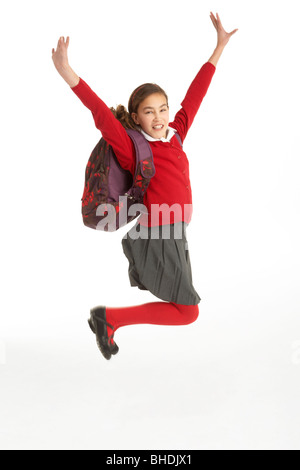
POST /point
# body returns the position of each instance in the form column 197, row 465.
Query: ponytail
column 123, row 116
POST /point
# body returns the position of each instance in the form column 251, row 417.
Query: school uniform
column 156, row 263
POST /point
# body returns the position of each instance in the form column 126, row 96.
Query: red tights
column 155, row 313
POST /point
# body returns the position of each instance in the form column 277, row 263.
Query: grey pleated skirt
column 159, row 262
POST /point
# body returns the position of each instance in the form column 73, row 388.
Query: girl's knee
column 193, row 313
column 190, row 313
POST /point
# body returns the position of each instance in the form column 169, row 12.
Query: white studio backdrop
column 241, row 358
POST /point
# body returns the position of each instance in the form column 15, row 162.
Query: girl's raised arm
column 61, row 62
column 223, row 38
column 110, row 127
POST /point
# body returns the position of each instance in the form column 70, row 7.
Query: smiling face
column 153, row 115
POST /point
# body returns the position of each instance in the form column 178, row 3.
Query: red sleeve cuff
column 74, row 88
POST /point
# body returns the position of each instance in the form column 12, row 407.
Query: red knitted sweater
column 169, row 192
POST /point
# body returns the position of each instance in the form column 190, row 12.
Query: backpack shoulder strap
column 179, row 139
column 143, row 152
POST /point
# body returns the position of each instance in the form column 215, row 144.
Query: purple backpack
column 110, row 191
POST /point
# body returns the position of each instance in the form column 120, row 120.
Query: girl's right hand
column 60, row 55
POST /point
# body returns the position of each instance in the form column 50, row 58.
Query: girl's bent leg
column 155, row 313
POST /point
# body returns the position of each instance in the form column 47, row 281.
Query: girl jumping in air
column 157, row 263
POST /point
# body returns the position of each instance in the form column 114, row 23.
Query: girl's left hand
column 223, row 36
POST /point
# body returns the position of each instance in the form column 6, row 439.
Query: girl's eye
column 162, row 110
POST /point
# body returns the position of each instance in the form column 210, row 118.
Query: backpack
column 110, row 191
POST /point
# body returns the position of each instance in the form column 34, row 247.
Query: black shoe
column 114, row 348
column 98, row 325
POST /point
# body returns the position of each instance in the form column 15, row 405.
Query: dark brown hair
column 136, row 97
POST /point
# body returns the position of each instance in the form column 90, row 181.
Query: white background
column 228, row 381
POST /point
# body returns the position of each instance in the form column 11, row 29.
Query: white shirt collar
column 170, row 134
